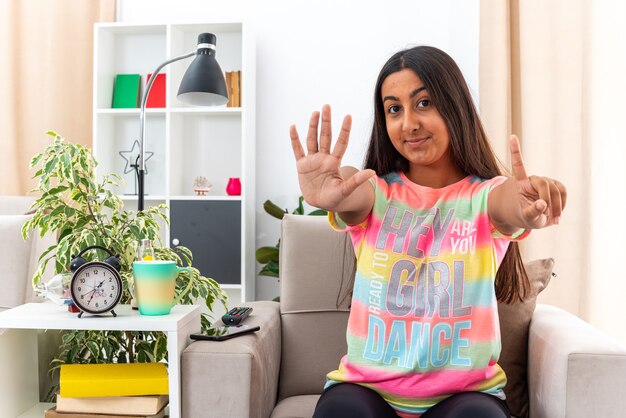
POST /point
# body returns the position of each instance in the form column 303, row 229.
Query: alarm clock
column 96, row 286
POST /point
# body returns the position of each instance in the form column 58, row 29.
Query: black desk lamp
column 202, row 85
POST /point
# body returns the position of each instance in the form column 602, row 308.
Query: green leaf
column 300, row 209
column 36, row 160
column 93, row 349
column 267, row 254
column 273, row 210
column 66, row 165
column 58, row 190
column 142, row 357
column 65, row 232
column 68, row 337
column 270, row 269
column 69, row 212
column 318, row 212
column 160, row 348
column 136, row 232
column 71, row 354
column 57, row 211
column 51, row 165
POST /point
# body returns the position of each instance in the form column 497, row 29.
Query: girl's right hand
column 319, row 173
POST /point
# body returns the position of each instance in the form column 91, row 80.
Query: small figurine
column 201, row 186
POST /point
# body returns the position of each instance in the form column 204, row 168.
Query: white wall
column 316, row 52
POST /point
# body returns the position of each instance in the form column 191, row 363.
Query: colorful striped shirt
column 424, row 320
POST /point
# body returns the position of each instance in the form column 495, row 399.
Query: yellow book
column 119, row 379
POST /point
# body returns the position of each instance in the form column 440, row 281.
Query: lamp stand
column 136, row 170
column 142, row 127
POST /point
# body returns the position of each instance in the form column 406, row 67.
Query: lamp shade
column 203, row 83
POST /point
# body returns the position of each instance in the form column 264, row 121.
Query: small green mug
column 155, row 286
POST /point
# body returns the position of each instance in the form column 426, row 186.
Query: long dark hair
column 469, row 147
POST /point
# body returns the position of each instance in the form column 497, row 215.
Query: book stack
column 134, row 390
column 233, row 83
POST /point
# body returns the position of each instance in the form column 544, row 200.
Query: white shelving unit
column 215, row 142
column 19, row 396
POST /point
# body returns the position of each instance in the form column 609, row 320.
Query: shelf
column 130, row 111
column 19, row 344
column 158, row 198
column 48, row 315
column 37, row 411
column 187, row 142
column 231, row 286
column 202, row 198
column 146, row 197
column 139, row 29
column 207, row 110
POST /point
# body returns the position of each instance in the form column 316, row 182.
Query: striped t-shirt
column 424, row 321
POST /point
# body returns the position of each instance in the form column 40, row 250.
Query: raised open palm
column 541, row 199
column 319, row 174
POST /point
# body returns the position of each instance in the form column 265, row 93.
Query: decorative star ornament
column 132, row 158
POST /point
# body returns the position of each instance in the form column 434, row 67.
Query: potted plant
column 83, row 212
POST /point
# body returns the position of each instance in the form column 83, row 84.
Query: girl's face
column 415, row 127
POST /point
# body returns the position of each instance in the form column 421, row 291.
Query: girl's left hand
column 541, row 199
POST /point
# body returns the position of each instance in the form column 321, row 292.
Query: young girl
column 432, row 220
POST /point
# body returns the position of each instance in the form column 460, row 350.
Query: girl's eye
column 393, row 109
column 423, row 103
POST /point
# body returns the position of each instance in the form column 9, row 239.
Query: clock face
column 96, row 287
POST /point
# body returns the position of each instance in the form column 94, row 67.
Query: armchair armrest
column 236, row 377
column 574, row 369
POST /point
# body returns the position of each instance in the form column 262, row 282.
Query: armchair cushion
column 16, row 271
column 15, row 205
column 514, row 324
column 301, row 406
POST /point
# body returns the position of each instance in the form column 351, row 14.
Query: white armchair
column 20, row 261
column 574, row 370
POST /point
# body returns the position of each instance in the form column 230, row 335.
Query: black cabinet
column 212, row 231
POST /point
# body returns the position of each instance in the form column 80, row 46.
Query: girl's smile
column 417, row 142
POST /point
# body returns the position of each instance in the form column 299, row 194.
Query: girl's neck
column 434, row 177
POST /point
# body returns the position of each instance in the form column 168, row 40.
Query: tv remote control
column 236, row 315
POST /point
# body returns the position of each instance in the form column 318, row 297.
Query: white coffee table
column 19, row 386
